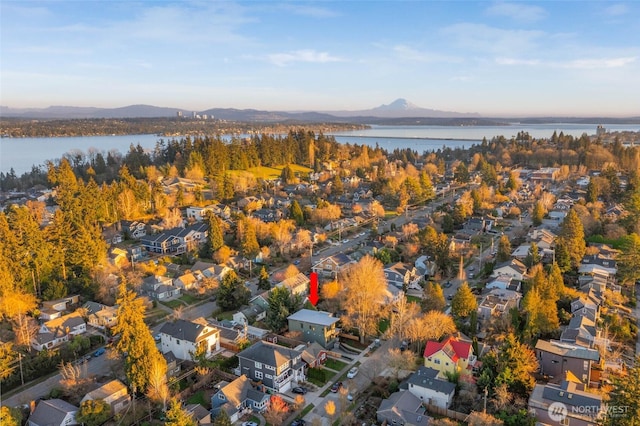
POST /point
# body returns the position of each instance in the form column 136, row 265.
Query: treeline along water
column 23, row 153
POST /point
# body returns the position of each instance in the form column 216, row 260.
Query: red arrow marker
column 313, row 289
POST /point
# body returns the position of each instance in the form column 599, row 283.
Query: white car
column 352, row 373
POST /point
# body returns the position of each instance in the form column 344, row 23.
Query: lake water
column 22, row 153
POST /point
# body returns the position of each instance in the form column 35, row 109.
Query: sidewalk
column 319, row 401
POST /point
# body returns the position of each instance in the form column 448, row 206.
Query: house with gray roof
column 331, row 266
column 53, row 412
column 159, row 288
column 55, row 332
column 557, row 358
column 315, row 326
column 275, row 366
column 425, row 384
column 237, row 398
column 402, row 408
column 186, row 338
column 582, row 408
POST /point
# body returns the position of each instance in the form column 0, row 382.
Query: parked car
column 336, row 387
column 299, row 390
column 298, row 422
column 157, row 338
column 447, row 284
column 352, row 373
column 99, row 352
column 404, row 345
column 296, row 262
column 249, row 424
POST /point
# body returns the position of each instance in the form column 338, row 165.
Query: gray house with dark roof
column 557, row 358
column 402, row 408
column 185, row 338
column 274, row 365
column 53, row 412
column 238, row 397
column 582, row 408
column 425, row 385
column 315, row 326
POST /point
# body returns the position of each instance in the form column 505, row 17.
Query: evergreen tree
column 533, row 256
column 215, row 238
column 263, row 279
column 232, row 293
column 562, row 258
column 136, row 343
column 296, row 213
column 249, row 241
column 504, row 249
column 461, row 174
column 516, row 363
column 625, row 397
column 538, row 213
column 433, row 299
column 464, row 303
column 177, row 416
column 629, row 259
column 282, row 303
column 572, row 237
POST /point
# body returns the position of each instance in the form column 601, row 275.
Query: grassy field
column 189, row 299
column 264, row 172
column 335, row 364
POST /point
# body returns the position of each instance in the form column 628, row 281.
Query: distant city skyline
column 491, row 58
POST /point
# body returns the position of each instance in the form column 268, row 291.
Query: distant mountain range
column 397, row 109
column 399, row 112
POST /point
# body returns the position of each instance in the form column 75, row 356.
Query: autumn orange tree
column 278, row 409
column 365, row 290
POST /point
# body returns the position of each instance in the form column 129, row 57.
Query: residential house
column 273, row 365
column 521, row 252
column 159, row 288
column 452, row 354
column 313, row 355
column 176, row 241
column 298, row 284
column 55, row 332
column 332, row 266
column 173, row 365
column 237, row 398
column 101, row 316
column 478, row 225
column 250, row 314
column 315, row 326
column 587, row 304
column 402, row 408
column 557, row 358
column 186, row 338
column 512, row 268
column 605, row 263
column 544, row 238
column 186, row 281
column 114, row 393
column 267, row 215
column 136, row 252
column 118, row 257
column 133, row 230
column 401, row 274
column 582, row 408
column 501, row 282
column 581, row 331
column 425, row 266
column 199, row 414
column 497, row 303
column 210, row 270
column 425, row 384
column 53, row 412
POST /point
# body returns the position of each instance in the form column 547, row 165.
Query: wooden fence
column 456, row 415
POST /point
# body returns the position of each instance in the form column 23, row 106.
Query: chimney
column 32, row 406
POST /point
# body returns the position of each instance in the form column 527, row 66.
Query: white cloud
column 599, row 63
column 514, row 61
column 483, row 38
column 517, row 11
column 307, row 10
column 306, row 55
column 616, row 9
column 411, row 54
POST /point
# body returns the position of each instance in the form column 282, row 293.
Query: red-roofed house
column 452, row 354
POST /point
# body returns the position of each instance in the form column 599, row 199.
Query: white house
column 184, row 338
column 53, row 412
column 57, row 331
column 512, row 268
column 425, row 385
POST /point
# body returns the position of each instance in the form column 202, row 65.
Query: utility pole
column 486, row 391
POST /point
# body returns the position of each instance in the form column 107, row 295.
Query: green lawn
column 198, row 398
column 334, row 364
column 414, row 299
column 383, row 325
column 173, row 304
column 189, row 299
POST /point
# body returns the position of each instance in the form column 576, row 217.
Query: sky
column 577, row 58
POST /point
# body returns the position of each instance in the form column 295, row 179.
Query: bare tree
column 398, row 360
column 365, row 289
column 402, row 312
column 74, row 381
column 158, row 390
